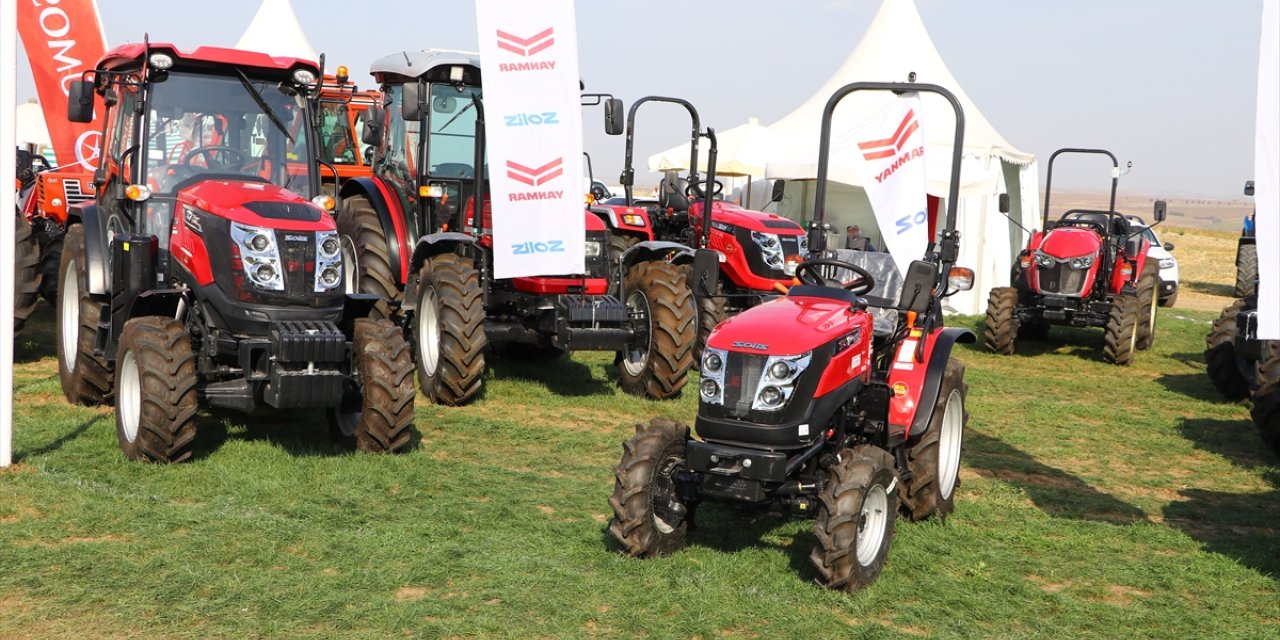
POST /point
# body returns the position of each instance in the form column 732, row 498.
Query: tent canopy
column 275, row 31
column 741, row 151
column 30, row 125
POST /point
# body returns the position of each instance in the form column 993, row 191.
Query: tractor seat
column 671, row 194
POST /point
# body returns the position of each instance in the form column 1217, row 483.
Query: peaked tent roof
column 894, row 45
column 275, row 31
column 742, row 151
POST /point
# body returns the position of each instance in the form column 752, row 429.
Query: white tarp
column 275, row 31
column 529, row 58
column 31, row 129
column 1266, row 173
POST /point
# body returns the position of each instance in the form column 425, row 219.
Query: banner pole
column 8, row 200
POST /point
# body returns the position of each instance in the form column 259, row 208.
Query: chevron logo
column 535, row 176
column 526, row 47
column 891, row 146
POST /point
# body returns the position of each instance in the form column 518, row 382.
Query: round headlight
column 259, row 242
column 1044, row 260
column 264, row 273
column 329, row 276
column 712, row 362
column 329, row 247
column 780, row 370
column 771, row 396
column 304, row 76
column 160, row 60
column 710, row 388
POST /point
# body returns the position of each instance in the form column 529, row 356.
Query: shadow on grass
column 1210, row 288
column 19, row 456
column 1192, row 385
column 562, row 376
column 300, row 433
column 38, row 339
column 1235, row 440
column 1054, row 491
column 1082, row 342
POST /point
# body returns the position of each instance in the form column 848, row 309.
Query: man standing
column 854, row 240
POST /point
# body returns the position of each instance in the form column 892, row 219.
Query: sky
column 1169, row 85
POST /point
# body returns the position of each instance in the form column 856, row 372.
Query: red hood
column 735, row 215
column 808, row 322
column 1071, row 242
column 226, row 199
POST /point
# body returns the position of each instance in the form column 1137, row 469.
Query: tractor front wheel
column 382, row 420
column 156, row 401
column 649, row 519
column 855, row 524
column 1266, row 402
column 1001, row 330
column 664, row 315
column 26, row 272
column 1149, row 298
column 86, row 378
column 448, row 330
column 1121, row 338
column 1220, row 355
column 366, row 249
column 934, row 461
column 50, row 258
column 1246, row 270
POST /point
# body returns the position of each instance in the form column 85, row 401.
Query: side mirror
column 1248, row 187
column 373, row 119
column 1168, row 246
column 779, row 188
column 80, row 101
column 410, row 105
column 613, row 109
column 1159, row 212
column 706, row 273
column 1004, row 203
column 917, row 287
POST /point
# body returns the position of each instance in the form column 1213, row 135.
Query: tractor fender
column 95, row 246
column 382, row 202
column 428, row 246
column 609, row 217
column 673, row 252
column 160, row 302
column 917, row 406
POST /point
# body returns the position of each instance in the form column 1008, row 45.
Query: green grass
column 1097, row 501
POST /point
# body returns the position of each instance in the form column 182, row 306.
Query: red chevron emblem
column 535, row 176
column 526, row 46
column 891, row 146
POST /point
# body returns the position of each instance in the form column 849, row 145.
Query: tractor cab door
column 119, row 164
column 449, row 169
column 397, row 163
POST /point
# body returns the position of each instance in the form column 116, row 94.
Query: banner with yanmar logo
column 529, row 59
column 891, row 158
column 63, row 39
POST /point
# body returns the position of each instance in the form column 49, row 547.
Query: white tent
column 741, row 151
column 275, row 31
column 30, row 126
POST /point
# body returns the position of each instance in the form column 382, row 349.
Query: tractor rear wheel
column 1246, row 270
column 50, row 258
column 1220, row 355
column 934, row 461
column 1120, row 339
column 448, row 330
column 618, row 244
column 648, row 515
column 1266, row 402
column 156, row 401
column 26, row 271
column 1001, row 330
column 1148, row 299
column 86, row 378
column 382, row 420
column 856, row 511
column 366, row 250
column 661, row 306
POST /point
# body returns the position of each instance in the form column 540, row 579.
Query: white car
column 1168, row 263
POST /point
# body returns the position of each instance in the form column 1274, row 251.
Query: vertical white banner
column 1266, row 173
column 8, row 135
column 533, row 123
column 891, row 163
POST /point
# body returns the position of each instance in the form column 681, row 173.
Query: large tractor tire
column 1148, row 299
column 1000, row 332
column 50, row 258
column 382, row 421
column 1246, row 270
column 1266, row 402
column 366, row 251
column 934, row 461
column 448, row 330
column 659, row 300
column 1120, row 337
column 156, row 401
column 855, row 524
column 86, row 377
column 618, row 244
column 649, row 520
column 26, row 272
column 1220, row 355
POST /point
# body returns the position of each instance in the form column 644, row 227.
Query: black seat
column 671, row 193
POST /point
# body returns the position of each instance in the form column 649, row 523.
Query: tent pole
column 8, row 171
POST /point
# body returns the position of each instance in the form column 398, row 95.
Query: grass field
column 1097, row 501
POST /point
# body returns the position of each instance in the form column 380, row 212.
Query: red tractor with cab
column 1088, row 269
column 839, row 399
column 410, row 233
column 207, row 272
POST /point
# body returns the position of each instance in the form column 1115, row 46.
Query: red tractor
column 809, row 406
column 1088, row 269
column 758, row 252
column 207, row 271
column 410, row 234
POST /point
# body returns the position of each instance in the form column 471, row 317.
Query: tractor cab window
column 337, row 140
column 400, row 158
column 452, row 122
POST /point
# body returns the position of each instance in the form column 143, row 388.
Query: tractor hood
column 257, row 204
column 729, row 213
column 1071, row 242
column 810, row 322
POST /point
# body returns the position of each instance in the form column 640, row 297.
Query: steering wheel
column 208, row 153
column 694, row 190
column 808, row 272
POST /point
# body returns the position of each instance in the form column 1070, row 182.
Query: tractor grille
column 298, row 254
column 1061, row 279
column 74, row 191
column 741, row 377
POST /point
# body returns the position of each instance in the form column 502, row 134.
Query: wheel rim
column 949, row 442
column 1155, row 302
column 347, row 421
column 872, row 524
column 428, row 331
column 69, row 301
column 350, row 268
column 129, row 402
column 664, row 491
column 638, row 351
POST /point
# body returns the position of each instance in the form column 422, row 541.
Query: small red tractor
column 410, row 233
column 207, row 272
column 809, row 406
column 758, row 252
column 1088, row 269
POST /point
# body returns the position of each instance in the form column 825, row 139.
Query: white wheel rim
column 351, row 277
column 428, row 331
column 129, row 403
column 636, row 360
column 1155, row 302
column 873, row 525
column 69, row 300
column 949, row 443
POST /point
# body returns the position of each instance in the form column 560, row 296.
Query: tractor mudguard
column 356, row 306
column 95, row 246
column 159, row 302
column 377, row 195
column 428, row 246
column 922, row 379
column 674, row 252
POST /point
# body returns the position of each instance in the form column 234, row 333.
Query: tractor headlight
column 711, row 389
column 766, row 241
column 328, row 261
column 1082, row 262
column 780, row 370
column 1168, row 263
column 712, row 362
column 259, row 256
column 1044, row 260
column 594, row 249
column 770, row 249
column 778, row 382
